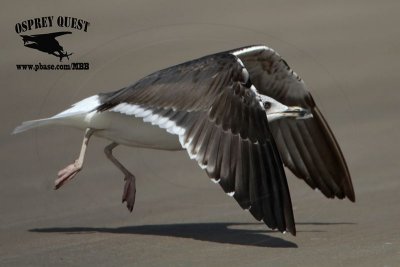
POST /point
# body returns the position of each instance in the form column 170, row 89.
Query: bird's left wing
column 308, row 147
column 211, row 105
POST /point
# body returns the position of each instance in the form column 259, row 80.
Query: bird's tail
column 71, row 116
column 27, row 125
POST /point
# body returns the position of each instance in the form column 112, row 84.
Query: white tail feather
column 82, row 107
column 27, row 125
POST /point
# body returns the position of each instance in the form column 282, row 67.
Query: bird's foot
column 67, row 174
column 129, row 192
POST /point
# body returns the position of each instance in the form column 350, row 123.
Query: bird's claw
column 129, row 192
column 66, row 174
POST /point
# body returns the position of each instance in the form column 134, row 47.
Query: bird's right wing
column 220, row 122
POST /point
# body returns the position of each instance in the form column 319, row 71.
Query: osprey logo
column 50, row 40
column 46, row 43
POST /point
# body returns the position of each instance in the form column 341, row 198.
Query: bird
column 242, row 114
column 47, row 43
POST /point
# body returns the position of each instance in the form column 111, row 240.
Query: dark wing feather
column 308, row 147
column 222, row 125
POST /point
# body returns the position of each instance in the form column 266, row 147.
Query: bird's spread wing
column 208, row 103
column 308, row 147
column 52, row 34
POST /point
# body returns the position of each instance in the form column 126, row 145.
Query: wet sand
column 347, row 53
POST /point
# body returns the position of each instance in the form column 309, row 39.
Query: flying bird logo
column 47, row 43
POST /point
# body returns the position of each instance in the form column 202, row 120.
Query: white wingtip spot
column 191, row 156
column 215, row 181
column 248, row 208
column 231, row 194
column 202, row 166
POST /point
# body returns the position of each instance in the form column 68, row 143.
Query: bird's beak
column 289, row 112
column 297, row 112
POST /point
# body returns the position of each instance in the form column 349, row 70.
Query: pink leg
column 130, row 184
column 71, row 170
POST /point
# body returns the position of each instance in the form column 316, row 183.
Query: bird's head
column 276, row 110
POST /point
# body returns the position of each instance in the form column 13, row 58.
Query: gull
column 241, row 114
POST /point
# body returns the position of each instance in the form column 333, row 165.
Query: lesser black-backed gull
column 240, row 114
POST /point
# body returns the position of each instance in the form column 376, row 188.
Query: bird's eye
column 267, row 105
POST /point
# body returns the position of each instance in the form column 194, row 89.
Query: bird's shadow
column 211, row 232
column 225, row 233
